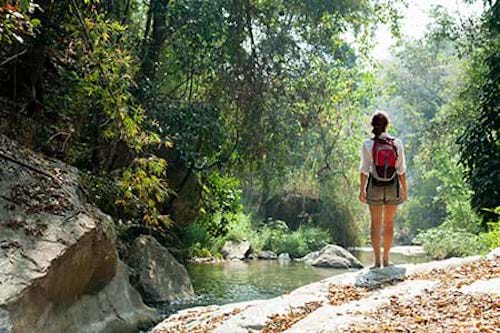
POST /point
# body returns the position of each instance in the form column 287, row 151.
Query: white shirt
column 367, row 157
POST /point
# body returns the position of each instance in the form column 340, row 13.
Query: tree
column 480, row 142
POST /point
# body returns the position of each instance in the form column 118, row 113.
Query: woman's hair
column 380, row 121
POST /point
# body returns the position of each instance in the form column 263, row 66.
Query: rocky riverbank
column 450, row 295
column 59, row 266
column 330, row 255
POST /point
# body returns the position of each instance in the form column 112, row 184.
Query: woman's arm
column 364, row 169
column 401, row 168
column 362, row 187
column 402, row 180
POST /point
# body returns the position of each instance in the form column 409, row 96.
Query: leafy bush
column 199, row 251
column 220, row 219
column 491, row 239
column 221, row 203
column 240, row 228
column 270, row 236
column 339, row 216
column 442, row 242
column 278, row 238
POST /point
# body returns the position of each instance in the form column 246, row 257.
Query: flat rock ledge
column 331, row 305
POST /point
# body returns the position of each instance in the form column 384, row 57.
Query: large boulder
column 309, row 258
column 59, row 268
column 159, row 277
column 236, row 250
column 334, row 256
column 284, row 257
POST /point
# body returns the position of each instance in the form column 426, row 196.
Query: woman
column 380, row 189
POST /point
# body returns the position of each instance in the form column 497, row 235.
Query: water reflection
column 242, row 281
column 239, row 281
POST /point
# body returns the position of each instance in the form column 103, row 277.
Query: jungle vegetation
column 202, row 121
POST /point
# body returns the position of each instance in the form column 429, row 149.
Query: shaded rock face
column 236, row 250
column 293, row 208
column 332, row 256
column 184, row 207
column 58, row 256
column 160, row 278
column 267, row 255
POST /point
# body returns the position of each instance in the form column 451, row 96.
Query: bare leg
column 389, row 216
column 376, row 223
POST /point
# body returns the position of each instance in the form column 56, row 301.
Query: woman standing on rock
column 383, row 183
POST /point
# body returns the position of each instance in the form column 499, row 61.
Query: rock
column 284, row 257
column 5, row 324
column 160, row 277
column 331, row 261
column 336, row 257
column 493, row 254
column 253, row 256
column 59, row 269
column 376, row 277
column 490, row 287
column 309, row 258
column 268, row 255
column 253, row 316
column 236, row 250
column 206, row 260
column 184, row 207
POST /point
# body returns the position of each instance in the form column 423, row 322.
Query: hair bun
column 380, row 121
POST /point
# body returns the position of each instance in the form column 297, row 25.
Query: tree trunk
column 155, row 42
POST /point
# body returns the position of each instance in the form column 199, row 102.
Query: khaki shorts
column 383, row 195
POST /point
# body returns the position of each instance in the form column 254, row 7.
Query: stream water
column 238, row 281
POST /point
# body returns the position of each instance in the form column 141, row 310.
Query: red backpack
column 385, row 155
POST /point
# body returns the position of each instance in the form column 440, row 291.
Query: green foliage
column 15, row 27
column 102, row 82
column 198, row 130
column 270, row 235
column 199, row 251
column 340, row 215
column 221, row 217
column 144, row 189
column 491, row 238
column 104, row 192
column 479, row 143
column 275, row 236
column 423, row 93
column 442, row 242
column 95, row 96
column 221, row 203
column 260, row 98
column 199, row 240
column 240, row 228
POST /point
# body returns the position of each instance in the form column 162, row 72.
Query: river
column 238, row 281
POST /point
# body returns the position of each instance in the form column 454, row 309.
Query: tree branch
column 13, row 57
